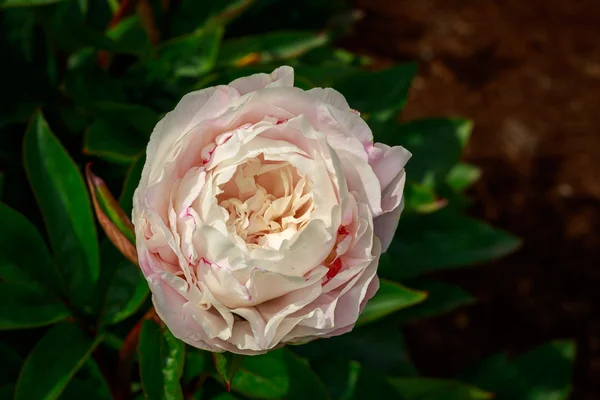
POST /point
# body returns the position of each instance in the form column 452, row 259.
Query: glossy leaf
column 161, row 358
column 49, row 367
column 113, row 220
column 445, row 239
column 442, row 298
column 28, row 305
column 462, row 175
column 268, row 48
column 390, row 298
column 278, row 374
column 17, row 265
column 62, row 196
column 376, row 92
column 437, row 389
column 543, row 373
column 227, row 365
column 435, row 143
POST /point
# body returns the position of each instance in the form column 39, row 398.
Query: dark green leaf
column 189, row 56
column 278, row 374
column 49, row 367
column 197, row 362
column 227, row 365
column 88, row 383
column 17, row 265
column 189, row 16
column 462, row 175
column 161, row 358
column 437, row 389
column 111, row 141
column 126, row 293
column 442, row 298
column 352, row 381
column 543, row 373
column 378, row 346
column 63, row 198
column 132, row 180
column 421, row 198
column 150, row 348
column 1, row 184
column 26, row 3
column 390, row 298
column 377, row 92
column 28, row 305
column 131, row 36
column 445, row 239
column 113, row 220
column 134, row 117
column 435, row 143
column 268, row 48
column 11, row 365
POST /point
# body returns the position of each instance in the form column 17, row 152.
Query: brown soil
column 528, row 74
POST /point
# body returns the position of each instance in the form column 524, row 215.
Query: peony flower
column 262, row 212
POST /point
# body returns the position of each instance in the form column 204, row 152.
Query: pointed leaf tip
column 112, row 218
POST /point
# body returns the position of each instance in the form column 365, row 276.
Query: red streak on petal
column 334, row 268
column 281, row 121
column 342, row 230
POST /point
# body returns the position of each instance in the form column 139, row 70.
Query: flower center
column 267, row 201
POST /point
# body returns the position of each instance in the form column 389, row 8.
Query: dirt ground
column 528, row 74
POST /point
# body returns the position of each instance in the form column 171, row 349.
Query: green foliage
column 79, row 88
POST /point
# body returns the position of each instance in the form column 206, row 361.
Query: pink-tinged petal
column 282, row 76
column 330, row 96
column 386, row 224
column 387, row 162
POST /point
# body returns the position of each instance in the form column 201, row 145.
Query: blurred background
column 528, row 74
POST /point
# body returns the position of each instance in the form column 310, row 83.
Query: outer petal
column 282, row 76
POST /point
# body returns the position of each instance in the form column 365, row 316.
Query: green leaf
column 11, row 365
column 442, row 298
column 161, row 358
column 61, row 194
column 390, row 298
column 112, row 142
column 127, row 292
column 227, row 365
column 88, row 383
column 437, row 389
column 541, row 374
column 197, row 362
column 278, row 374
column 188, row 16
column 435, row 143
column 462, row 175
column 49, row 366
column 189, row 56
column 26, row 3
column 131, row 36
column 113, row 220
column 377, row 92
column 268, row 47
column 132, row 180
column 352, row 381
column 444, row 239
column 421, row 199
column 17, row 265
column 28, row 305
column 378, row 346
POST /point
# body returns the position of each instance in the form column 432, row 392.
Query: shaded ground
column 528, row 74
